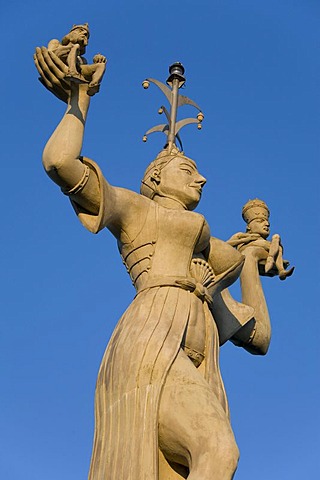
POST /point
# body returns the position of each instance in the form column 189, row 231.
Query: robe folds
column 132, row 373
column 139, row 355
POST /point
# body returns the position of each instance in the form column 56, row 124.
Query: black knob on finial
column 176, row 69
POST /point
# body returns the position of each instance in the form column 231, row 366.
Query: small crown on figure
column 85, row 26
column 255, row 209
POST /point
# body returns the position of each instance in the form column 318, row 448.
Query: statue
column 256, row 215
column 161, row 411
column 71, row 51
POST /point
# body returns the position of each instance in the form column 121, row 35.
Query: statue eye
column 186, row 170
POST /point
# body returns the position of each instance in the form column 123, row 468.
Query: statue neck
column 169, row 202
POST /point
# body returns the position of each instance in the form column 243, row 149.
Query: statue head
column 256, row 215
column 173, row 175
column 78, row 34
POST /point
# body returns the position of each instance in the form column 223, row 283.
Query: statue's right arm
column 62, row 154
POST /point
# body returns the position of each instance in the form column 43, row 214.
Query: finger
column 58, row 91
column 59, row 63
column 44, row 80
column 55, row 73
column 45, row 67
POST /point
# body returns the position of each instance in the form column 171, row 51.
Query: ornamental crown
column 255, row 209
column 85, row 26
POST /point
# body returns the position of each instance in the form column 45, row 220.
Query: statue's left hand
column 52, row 73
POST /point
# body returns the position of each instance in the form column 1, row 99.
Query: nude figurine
column 256, row 215
column 71, row 50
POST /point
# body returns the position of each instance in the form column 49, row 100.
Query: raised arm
column 253, row 295
column 97, row 203
column 61, row 156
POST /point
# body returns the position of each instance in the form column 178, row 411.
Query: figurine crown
column 255, row 209
column 85, row 26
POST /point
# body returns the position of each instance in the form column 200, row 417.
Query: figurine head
column 256, row 215
column 173, row 175
column 78, row 34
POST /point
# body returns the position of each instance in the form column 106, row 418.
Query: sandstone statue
column 161, row 410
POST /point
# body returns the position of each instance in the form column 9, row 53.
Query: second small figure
column 256, row 215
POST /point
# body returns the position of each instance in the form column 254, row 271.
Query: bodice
column 167, row 242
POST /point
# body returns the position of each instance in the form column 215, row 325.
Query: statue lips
column 196, row 187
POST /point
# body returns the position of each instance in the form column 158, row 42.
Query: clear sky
column 253, row 66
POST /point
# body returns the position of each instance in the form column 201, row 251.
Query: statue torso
column 164, row 247
column 163, row 251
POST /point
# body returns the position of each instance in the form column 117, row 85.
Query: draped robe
column 150, row 333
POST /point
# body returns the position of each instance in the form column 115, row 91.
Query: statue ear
column 155, row 176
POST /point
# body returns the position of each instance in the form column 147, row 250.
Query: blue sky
column 253, row 66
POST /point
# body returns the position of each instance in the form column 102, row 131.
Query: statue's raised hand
column 52, row 73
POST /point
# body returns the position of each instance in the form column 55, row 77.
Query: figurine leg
column 194, row 430
column 72, row 61
column 283, row 274
column 273, row 253
column 94, row 85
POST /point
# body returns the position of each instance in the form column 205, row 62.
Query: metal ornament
column 175, row 81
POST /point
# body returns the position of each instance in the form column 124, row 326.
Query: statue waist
column 186, row 283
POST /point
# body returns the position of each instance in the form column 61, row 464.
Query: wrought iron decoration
column 175, row 81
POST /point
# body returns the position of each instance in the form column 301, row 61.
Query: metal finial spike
column 175, row 81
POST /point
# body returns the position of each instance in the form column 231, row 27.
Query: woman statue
column 160, row 409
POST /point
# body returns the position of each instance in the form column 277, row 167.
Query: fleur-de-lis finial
column 175, row 80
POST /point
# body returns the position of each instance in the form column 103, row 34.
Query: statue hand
column 248, row 237
column 52, row 73
column 242, row 238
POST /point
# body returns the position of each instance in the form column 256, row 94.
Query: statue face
column 260, row 226
column 80, row 35
column 180, row 179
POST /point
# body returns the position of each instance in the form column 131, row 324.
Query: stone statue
column 161, row 410
column 71, row 51
column 256, row 215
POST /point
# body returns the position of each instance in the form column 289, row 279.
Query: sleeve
column 94, row 223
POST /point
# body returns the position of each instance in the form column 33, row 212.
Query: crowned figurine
column 71, row 50
column 256, row 215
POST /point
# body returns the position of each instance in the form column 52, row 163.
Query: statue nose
column 201, row 180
